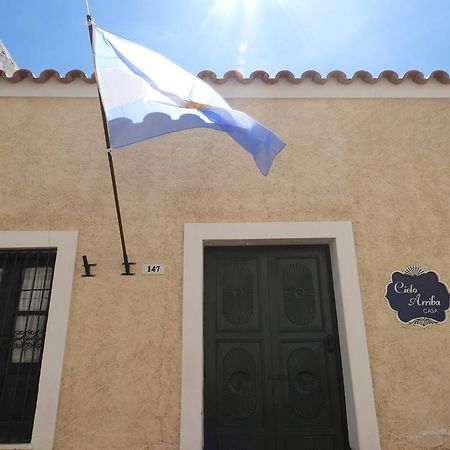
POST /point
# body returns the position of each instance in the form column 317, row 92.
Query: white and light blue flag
column 145, row 95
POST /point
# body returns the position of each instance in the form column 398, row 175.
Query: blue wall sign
column 418, row 297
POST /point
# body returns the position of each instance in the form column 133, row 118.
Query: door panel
column 273, row 378
column 305, row 396
column 311, row 444
column 243, row 444
column 298, row 294
column 238, row 397
column 237, row 295
column 239, row 384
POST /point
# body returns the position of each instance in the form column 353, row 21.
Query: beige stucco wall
column 381, row 163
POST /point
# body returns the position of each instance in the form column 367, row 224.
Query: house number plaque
column 418, row 297
column 153, row 269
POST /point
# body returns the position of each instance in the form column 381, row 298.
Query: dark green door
column 273, row 377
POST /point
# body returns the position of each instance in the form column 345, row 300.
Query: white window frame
column 360, row 404
column 65, row 243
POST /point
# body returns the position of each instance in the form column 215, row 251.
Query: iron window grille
column 26, row 278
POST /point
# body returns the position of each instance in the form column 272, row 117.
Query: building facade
column 155, row 361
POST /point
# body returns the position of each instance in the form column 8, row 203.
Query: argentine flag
column 145, row 95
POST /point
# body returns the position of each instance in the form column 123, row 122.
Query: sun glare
column 250, row 6
column 230, row 9
column 226, row 14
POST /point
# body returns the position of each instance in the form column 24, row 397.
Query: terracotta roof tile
column 70, row 76
column 391, row 76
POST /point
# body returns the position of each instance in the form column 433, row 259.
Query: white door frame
column 360, row 404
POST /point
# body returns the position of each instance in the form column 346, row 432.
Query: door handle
column 330, row 343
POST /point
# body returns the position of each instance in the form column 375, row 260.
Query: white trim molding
column 255, row 89
column 65, row 243
column 361, row 414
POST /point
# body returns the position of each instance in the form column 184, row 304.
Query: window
column 36, row 274
column 25, row 288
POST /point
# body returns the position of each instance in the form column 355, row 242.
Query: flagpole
column 126, row 262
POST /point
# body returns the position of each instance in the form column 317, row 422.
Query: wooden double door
column 272, row 368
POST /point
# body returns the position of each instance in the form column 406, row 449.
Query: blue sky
column 246, row 35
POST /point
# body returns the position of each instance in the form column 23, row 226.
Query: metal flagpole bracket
column 127, row 265
column 87, row 267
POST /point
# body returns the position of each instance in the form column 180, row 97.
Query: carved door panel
column 238, row 397
column 309, row 397
column 272, row 370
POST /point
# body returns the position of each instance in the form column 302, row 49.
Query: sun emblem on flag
column 193, row 105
